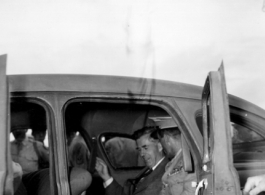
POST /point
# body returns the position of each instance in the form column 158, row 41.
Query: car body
column 101, row 108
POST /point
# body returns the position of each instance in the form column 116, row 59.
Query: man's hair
column 19, row 133
column 173, row 132
column 152, row 130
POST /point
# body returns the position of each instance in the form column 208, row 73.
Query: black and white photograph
column 132, row 97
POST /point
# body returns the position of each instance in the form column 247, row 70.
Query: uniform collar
column 153, row 168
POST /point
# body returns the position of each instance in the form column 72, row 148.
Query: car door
column 6, row 178
column 217, row 174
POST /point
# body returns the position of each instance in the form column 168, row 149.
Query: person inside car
column 38, row 181
column 27, row 152
column 39, row 135
column 175, row 179
column 148, row 181
column 254, row 185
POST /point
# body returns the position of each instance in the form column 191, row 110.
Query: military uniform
column 175, row 180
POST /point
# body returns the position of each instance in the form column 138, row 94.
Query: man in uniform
column 176, row 181
column 149, row 181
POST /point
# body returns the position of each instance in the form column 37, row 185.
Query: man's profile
column 149, row 180
column 175, row 179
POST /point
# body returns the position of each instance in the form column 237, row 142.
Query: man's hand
column 17, row 170
column 102, row 169
column 254, row 185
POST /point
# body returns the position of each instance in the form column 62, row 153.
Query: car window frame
column 217, row 171
column 6, row 170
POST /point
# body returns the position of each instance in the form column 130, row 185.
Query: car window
column 241, row 131
column 120, row 120
column 241, row 134
column 121, row 151
column 29, row 142
column 248, row 143
column 29, row 139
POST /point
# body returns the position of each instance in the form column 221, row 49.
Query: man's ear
column 160, row 148
column 167, row 138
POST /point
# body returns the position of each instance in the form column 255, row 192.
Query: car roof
column 115, row 84
column 101, row 83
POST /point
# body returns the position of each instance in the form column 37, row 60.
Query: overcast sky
column 166, row 39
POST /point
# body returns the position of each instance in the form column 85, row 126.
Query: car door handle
column 202, row 183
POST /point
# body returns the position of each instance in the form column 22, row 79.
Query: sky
column 163, row 39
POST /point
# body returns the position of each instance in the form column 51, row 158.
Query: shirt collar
column 153, row 168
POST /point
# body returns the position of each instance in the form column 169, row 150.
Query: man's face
column 170, row 145
column 40, row 136
column 150, row 150
column 167, row 146
column 20, row 133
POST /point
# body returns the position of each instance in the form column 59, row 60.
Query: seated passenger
column 175, row 179
column 27, row 152
column 149, row 179
column 122, row 152
column 39, row 135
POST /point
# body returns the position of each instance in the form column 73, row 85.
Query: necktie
column 147, row 172
column 141, row 177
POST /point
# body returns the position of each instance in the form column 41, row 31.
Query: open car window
column 112, row 124
column 121, row 151
column 107, row 126
column 29, row 136
column 29, row 140
column 241, row 132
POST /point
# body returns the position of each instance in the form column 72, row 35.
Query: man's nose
column 142, row 153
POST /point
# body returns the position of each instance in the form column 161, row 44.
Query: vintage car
column 224, row 134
